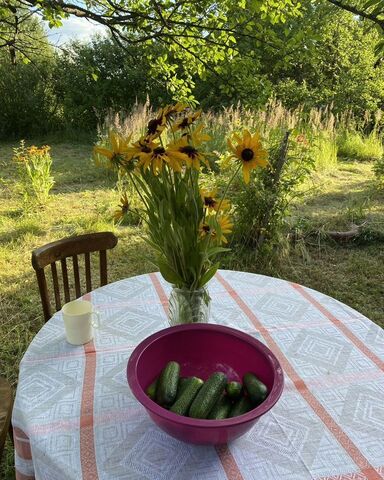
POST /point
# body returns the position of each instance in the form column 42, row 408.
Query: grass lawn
column 83, row 200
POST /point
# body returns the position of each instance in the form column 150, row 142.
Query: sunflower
column 225, row 227
column 118, row 154
column 183, row 152
column 123, row 208
column 156, row 157
column 213, row 203
column 186, row 121
column 249, row 151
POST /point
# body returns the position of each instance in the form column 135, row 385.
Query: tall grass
column 327, row 135
column 354, row 145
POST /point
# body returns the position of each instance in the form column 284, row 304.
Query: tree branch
column 361, row 13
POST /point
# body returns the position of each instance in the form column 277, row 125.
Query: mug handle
column 96, row 323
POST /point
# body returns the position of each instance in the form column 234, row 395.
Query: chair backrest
column 59, row 251
column 5, row 411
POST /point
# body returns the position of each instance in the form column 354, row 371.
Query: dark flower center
column 159, row 151
column 247, row 154
column 209, row 201
column 189, row 150
column 144, row 148
column 117, row 159
column 153, row 124
column 206, row 228
column 184, row 123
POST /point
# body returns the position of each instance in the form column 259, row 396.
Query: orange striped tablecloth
column 75, row 418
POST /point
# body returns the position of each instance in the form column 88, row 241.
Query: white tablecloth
column 75, row 417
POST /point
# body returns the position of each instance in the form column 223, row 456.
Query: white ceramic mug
column 79, row 322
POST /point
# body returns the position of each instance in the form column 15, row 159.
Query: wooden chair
column 59, row 251
column 6, row 402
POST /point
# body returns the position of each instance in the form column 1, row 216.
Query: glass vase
column 188, row 306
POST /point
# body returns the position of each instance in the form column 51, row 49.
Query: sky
column 73, row 29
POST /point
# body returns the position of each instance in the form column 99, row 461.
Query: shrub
column 262, row 208
column 34, row 172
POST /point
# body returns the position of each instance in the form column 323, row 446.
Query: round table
column 76, row 418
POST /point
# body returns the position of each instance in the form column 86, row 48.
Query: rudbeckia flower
column 206, row 230
column 183, row 152
column 156, row 126
column 123, row 208
column 170, row 110
column 197, row 137
column 249, row 151
column 155, row 159
column 118, row 154
column 211, row 202
column 186, row 121
column 225, row 227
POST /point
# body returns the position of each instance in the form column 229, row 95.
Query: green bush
column 28, row 106
column 263, row 207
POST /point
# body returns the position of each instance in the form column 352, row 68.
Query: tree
column 195, row 35
column 21, row 34
column 96, row 77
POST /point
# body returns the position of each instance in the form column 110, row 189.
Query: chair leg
column 10, row 431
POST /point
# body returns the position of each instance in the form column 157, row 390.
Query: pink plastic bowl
column 201, row 350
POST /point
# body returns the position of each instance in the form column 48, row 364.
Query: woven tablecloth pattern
column 75, row 417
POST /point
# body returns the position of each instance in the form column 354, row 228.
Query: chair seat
column 5, row 410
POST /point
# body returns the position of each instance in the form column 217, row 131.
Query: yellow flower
column 186, row 121
column 213, row 203
column 249, row 151
column 197, row 137
column 156, row 158
column 170, row 110
column 207, row 230
column 142, row 148
column 216, row 228
column 118, row 154
column 123, row 208
column 225, row 227
column 183, row 152
column 156, row 125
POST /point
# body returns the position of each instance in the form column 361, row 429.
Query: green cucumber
column 184, row 400
column 208, row 395
column 256, row 389
column 242, row 406
column 167, row 385
column 151, row 390
column 183, row 382
column 221, row 409
column 234, row 390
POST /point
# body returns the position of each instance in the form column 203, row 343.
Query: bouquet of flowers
column 186, row 225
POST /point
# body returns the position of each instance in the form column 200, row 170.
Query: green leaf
column 169, row 274
column 215, row 250
column 209, row 274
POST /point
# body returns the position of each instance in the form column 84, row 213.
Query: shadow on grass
column 360, row 191
column 17, row 234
